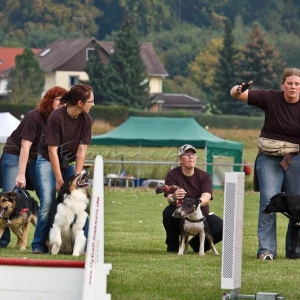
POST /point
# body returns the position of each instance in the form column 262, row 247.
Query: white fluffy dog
column 67, row 234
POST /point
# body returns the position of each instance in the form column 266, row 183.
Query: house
column 63, row 63
column 167, row 102
column 7, row 61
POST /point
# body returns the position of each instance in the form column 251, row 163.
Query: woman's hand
column 179, row 194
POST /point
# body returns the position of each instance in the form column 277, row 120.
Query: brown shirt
column 200, row 182
column 67, row 133
column 282, row 119
column 31, row 128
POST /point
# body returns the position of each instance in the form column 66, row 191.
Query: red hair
column 45, row 106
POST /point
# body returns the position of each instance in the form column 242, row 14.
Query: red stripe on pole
column 42, row 263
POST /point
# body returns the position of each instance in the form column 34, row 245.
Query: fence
column 218, row 176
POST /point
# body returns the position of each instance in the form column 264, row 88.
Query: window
column 89, row 52
column 73, row 80
column 45, row 52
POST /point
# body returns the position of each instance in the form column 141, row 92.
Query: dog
column 17, row 210
column 192, row 222
column 66, row 234
column 289, row 206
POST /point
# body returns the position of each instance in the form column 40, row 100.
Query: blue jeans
column 47, row 183
column 9, row 170
column 271, row 177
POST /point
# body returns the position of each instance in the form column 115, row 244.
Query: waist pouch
column 276, row 148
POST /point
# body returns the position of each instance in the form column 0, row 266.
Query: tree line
column 206, row 46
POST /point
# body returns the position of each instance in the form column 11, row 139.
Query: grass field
column 143, row 270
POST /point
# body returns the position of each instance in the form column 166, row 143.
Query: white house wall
column 3, row 86
column 155, row 85
column 62, row 79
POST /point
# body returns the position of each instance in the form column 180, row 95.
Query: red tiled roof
column 8, row 56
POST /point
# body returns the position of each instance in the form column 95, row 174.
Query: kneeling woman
column 193, row 183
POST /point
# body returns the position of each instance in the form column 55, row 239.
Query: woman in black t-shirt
column 18, row 162
column 62, row 152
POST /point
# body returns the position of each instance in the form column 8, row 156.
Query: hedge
column 116, row 115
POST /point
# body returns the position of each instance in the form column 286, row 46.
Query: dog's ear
column 176, row 213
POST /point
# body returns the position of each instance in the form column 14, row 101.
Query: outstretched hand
column 244, row 86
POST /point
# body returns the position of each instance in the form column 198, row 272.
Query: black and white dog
column 67, row 234
column 288, row 205
column 192, row 222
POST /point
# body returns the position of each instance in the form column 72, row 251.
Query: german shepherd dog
column 17, row 210
column 71, row 213
column 288, row 205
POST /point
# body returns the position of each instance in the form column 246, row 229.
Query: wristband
column 172, row 199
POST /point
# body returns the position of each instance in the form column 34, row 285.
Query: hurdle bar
column 231, row 271
column 45, row 279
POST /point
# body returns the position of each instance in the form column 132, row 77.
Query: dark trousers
column 172, row 227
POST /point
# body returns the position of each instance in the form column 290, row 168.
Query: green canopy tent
column 173, row 132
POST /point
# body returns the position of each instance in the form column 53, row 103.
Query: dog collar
column 23, row 210
column 6, row 219
column 195, row 221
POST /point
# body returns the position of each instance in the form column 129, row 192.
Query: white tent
column 9, row 124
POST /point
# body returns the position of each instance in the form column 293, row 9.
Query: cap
column 185, row 148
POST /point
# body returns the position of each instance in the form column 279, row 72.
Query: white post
column 233, row 230
column 95, row 281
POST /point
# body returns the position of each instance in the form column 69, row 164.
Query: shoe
column 37, row 251
column 266, row 256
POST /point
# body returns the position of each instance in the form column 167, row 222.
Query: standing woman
column 282, row 123
column 18, row 163
column 62, row 152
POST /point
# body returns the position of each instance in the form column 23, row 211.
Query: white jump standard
column 42, row 279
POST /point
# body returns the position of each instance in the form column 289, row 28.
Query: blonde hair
column 290, row 72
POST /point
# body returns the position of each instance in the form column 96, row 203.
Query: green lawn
column 143, row 270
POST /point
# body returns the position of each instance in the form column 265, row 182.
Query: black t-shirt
column 282, row 119
column 67, row 133
column 31, row 128
column 200, row 182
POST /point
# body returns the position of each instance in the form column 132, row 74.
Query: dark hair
column 77, row 92
column 290, row 72
column 45, row 106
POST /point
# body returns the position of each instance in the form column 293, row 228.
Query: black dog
column 288, row 205
column 192, row 222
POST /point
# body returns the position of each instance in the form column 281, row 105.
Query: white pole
column 233, row 230
column 95, row 270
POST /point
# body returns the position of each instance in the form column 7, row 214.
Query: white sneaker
column 266, row 256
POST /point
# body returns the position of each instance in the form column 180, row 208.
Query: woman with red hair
column 18, row 161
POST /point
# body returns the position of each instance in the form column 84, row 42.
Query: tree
column 26, row 79
column 96, row 71
column 261, row 61
column 227, row 74
column 126, row 73
column 149, row 15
